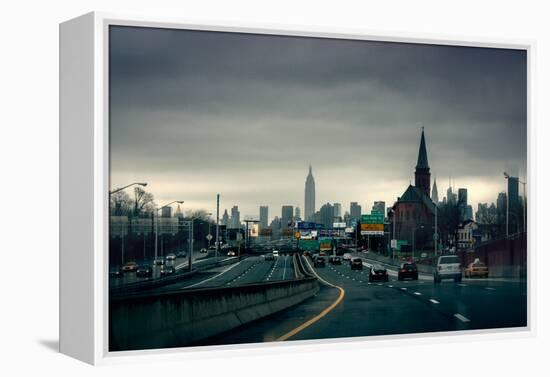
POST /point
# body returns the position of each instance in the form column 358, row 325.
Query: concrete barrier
column 187, row 317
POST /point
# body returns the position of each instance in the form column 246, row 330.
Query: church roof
column 415, row 195
column 422, row 162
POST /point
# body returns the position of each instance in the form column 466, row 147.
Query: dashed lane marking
column 490, row 288
column 418, row 293
column 461, row 317
column 434, row 301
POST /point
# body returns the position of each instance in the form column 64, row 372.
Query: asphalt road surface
column 348, row 305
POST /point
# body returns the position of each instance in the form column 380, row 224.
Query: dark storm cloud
column 186, row 101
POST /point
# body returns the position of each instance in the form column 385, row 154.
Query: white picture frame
column 84, row 178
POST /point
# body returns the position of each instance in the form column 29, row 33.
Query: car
column 144, row 271
column 275, row 253
column 116, row 272
column 476, row 268
column 167, row 270
column 171, row 257
column 159, row 261
column 347, row 256
column 306, row 253
column 204, row 250
column 130, row 267
column 269, row 257
column 319, row 262
column 407, row 270
column 181, row 254
column 335, row 260
column 447, row 267
column 356, row 264
column 231, row 253
column 377, row 272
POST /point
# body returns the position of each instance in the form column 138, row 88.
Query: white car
column 275, row 253
column 448, row 267
column 347, row 256
column 171, row 257
column 230, row 253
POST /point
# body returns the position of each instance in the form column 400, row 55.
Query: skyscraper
column 309, row 203
column 287, row 214
column 354, row 211
column 225, row 218
column 264, row 212
column 435, row 195
column 422, row 170
column 166, row 212
column 235, row 217
column 297, row 214
column 462, row 203
column 379, row 206
column 326, row 213
column 337, row 209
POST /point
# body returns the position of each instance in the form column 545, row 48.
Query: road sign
column 297, row 235
column 373, row 218
column 372, row 229
column 209, row 237
column 394, row 243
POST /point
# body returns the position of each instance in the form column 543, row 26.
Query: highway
column 360, row 308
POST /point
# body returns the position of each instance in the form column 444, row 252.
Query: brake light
column 403, row 270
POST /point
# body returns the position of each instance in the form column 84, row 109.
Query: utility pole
column 217, row 224
column 436, row 233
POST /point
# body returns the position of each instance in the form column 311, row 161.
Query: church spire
column 422, row 171
column 422, row 162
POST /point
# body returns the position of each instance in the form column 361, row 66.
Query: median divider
column 187, row 317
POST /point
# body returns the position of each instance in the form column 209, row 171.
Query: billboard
column 325, row 245
column 311, row 245
column 372, row 229
column 255, row 230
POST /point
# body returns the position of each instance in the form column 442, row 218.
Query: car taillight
column 403, row 270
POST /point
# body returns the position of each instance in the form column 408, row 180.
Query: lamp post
column 191, row 227
column 524, row 207
column 413, row 233
column 157, row 223
column 124, row 187
column 507, row 176
column 121, row 230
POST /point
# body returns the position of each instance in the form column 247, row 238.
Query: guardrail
column 189, row 317
column 166, row 280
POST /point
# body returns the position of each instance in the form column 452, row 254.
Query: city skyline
column 349, row 108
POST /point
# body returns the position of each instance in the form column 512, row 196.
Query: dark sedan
column 167, row 270
column 378, row 273
column 356, row 264
column 319, row 262
column 407, row 270
column 144, row 271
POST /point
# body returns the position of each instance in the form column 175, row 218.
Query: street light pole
column 124, row 187
column 506, row 176
column 524, row 207
column 157, row 223
column 413, row 233
column 217, row 224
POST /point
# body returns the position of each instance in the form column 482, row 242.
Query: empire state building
column 309, row 207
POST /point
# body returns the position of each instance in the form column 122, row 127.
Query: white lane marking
column 380, row 284
column 434, row 301
column 418, row 293
column 463, row 285
column 403, row 289
column 390, row 286
column 213, row 277
column 490, row 289
column 461, row 317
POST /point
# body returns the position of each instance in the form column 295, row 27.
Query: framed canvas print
column 223, row 185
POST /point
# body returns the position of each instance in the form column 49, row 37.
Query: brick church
column 414, row 211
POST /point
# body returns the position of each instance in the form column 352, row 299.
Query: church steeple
column 422, row 171
column 435, row 194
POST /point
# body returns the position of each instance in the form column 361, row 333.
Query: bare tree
column 199, row 214
column 120, row 204
column 143, row 201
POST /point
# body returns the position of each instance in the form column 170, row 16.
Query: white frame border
column 101, row 179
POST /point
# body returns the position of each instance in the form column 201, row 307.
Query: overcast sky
column 198, row 113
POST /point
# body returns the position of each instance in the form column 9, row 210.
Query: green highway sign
column 373, row 218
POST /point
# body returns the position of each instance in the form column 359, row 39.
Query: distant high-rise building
column 337, row 210
column 354, row 211
column 379, row 206
column 326, row 213
column 166, row 212
column 309, row 203
column 264, row 213
column 235, row 217
column 513, row 192
column 225, row 219
column 468, row 213
column 178, row 213
column 450, row 195
column 287, row 214
column 297, row 214
column 435, row 196
column 462, row 203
